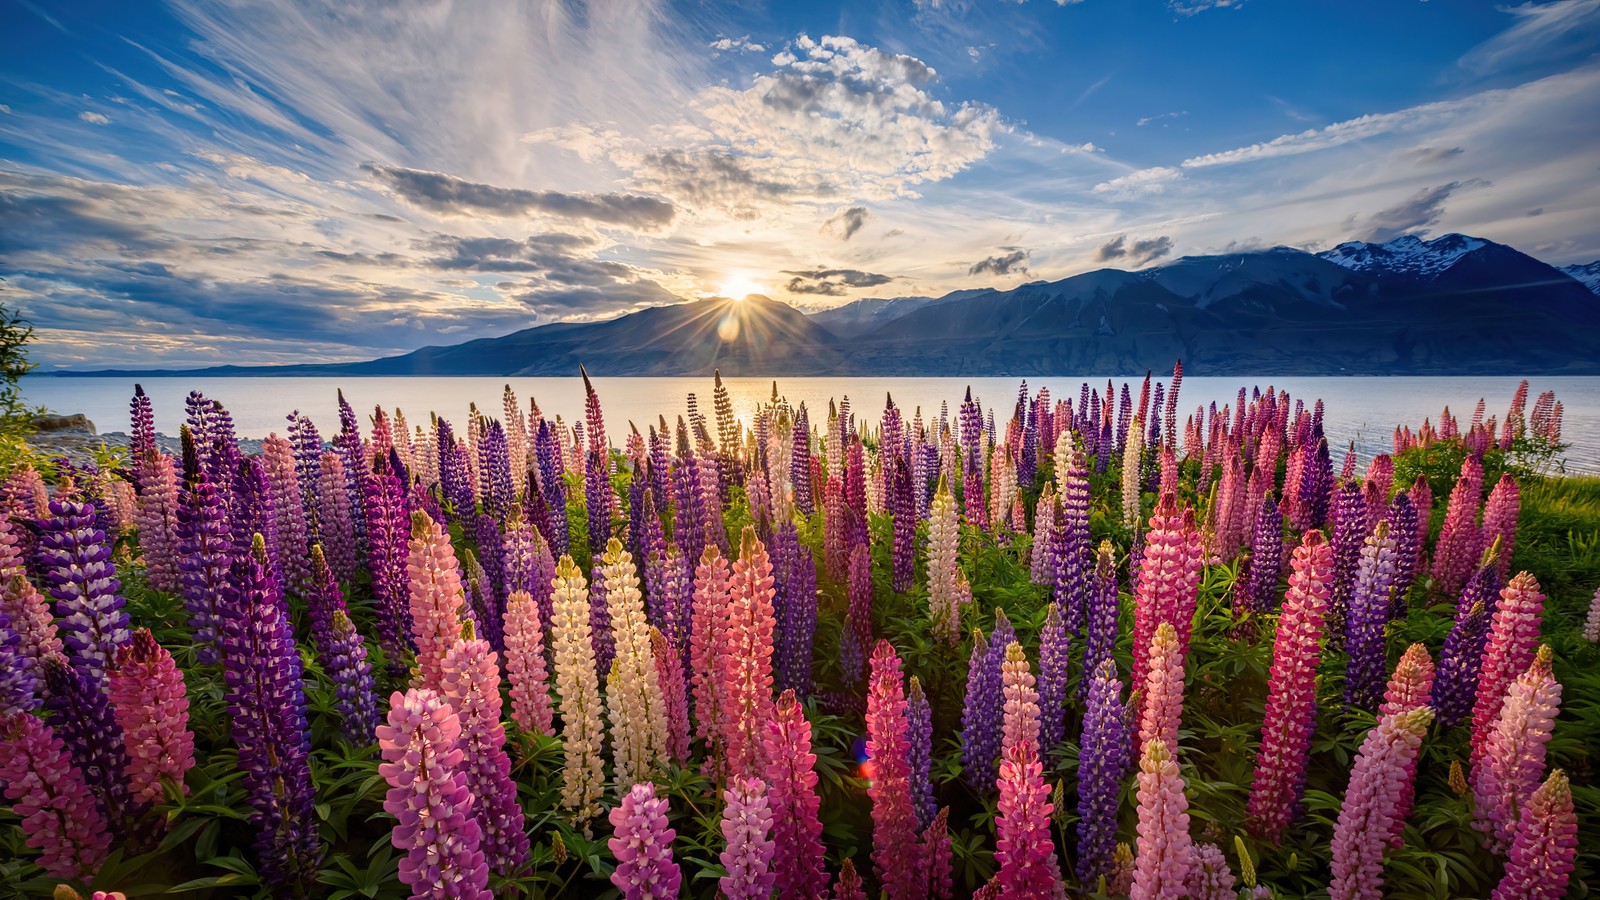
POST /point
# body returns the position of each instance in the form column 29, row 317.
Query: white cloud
column 743, row 44
column 93, row 118
column 1539, row 28
column 1142, row 181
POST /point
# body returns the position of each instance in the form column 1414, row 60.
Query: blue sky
column 203, row 181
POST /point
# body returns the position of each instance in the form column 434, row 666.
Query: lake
column 1363, row 410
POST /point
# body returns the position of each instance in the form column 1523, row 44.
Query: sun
column 738, row 285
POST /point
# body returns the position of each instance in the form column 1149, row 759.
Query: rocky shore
column 74, row 437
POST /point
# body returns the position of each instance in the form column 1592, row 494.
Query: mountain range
column 1454, row 305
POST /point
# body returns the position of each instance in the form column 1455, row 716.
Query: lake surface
column 1363, row 410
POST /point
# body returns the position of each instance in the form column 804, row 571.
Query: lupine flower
column 1546, row 845
column 605, row 648
column 795, row 606
column 674, row 696
column 1213, row 878
column 937, row 855
column 1349, row 533
column 858, row 636
column 1021, row 711
column 1101, row 764
column 1458, row 543
column 1025, row 852
column 525, row 665
column 944, row 571
column 1073, row 582
column 83, row 719
column 1054, row 642
column 82, row 579
column 1041, row 562
column 894, row 820
column 1291, row 699
column 849, row 886
column 430, row 800
column 434, row 580
column 336, row 529
column 1411, row 684
column 288, row 512
column 1461, row 660
column 152, row 708
column 1266, row 553
column 1402, row 521
column 1376, row 803
column 1165, row 862
column 708, row 640
column 205, row 552
column 747, row 827
column 156, row 516
column 745, row 692
column 1168, row 581
column 1513, row 755
column 1366, row 618
column 792, row 793
column 344, row 659
column 633, row 691
column 60, row 817
column 1591, row 625
column 1513, row 639
column 1132, row 453
column 902, row 509
column 1500, row 522
column 1102, row 613
column 578, row 688
column 387, row 532
column 642, row 844
column 28, row 617
column 919, row 719
column 983, row 714
column 1163, row 691
column 267, row 709
column 472, row 688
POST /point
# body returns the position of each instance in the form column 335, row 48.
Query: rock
column 74, row 422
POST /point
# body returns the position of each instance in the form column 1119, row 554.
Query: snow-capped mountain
column 1588, row 274
column 867, row 314
column 1405, row 255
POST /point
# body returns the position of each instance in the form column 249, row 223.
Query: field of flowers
column 1088, row 646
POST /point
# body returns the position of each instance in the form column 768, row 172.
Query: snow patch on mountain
column 1588, row 274
column 1405, row 255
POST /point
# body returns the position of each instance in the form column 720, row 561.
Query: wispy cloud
column 833, row 282
column 1003, row 264
column 1135, row 253
column 448, row 194
column 1562, row 26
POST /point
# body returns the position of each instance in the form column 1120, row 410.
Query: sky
column 197, row 182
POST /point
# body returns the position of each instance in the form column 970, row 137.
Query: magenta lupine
column 81, row 577
column 1212, row 877
column 82, row 717
column 1513, row 641
column 1163, row 691
column 59, row 815
column 156, row 516
column 1291, row 700
column 471, row 685
column 1168, row 581
column 29, row 618
column 1367, row 617
column 267, row 711
column 642, row 845
column 745, row 686
column 792, row 793
column 674, row 695
column 1457, row 549
column 335, row 527
column 1165, row 862
column 151, row 706
column 707, row 641
column 1410, row 687
column 1546, row 846
column 858, row 636
column 1025, row 854
column 1513, row 756
column 1376, row 803
column 430, row 800
column 436, row 597
column 1500, row 522
column 288, row 511
column 525, row 665
column 747, row 827
column 894, row 820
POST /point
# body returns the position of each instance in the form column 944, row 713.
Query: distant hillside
column 1452, row 305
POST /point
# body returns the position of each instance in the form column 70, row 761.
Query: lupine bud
column 578, row 688
column 642, row 844
column 1546, row 847
column 1165, row 863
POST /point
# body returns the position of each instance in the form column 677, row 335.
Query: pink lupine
column 48, row 793
column 1163, row 691
column 937, row 856
column 1513, row 639
column 1457, row 549
column 156, row 515
column 436, row 597
column 1164, row 865
column 707, row 640
column 745, row 694
column 1546, row 846
column 1410, row 687
column 1168, row 581
column 1212, row 876
column 642, row 844
column 525, row 665
column 747, row 827
column 674, row 697
column 1591, row 625
column 1513, row 757
column 1376, row 803
column 429, row 799
column 849, row 886
column 1025, row 852
column 1020, row 719
column 31, row 620
column 152, row 707
column 1500, row 523
column 797, row 827
column 471, row 682
column 894, row 819
column 1291, row 699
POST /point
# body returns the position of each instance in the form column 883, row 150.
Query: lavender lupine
column 76, row 559
column 1376, row 803
column 288, row 510
column 388, row 528
column 1073, row 555
column 471, row 684
column 1054, row 660
column 919, row 718
column 1261, row 585
column 903, row 556
column 344, row 659
column 982, row 717
column 747, row 827
column 1546, row 846
column 1103, row 608
column 430, row 800
column 642, row 845
column 156, row 517
column 1291, row 700
column 795, row 601
column 267, row 710
column 1102, row 762
column 19, row 686
column 335, row 525
column 58, row 812
column 1368, row 614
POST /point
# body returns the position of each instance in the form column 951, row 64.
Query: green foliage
column 15, row 335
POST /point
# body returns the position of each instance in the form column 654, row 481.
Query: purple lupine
column 472, row 685
column 143, row 418
column 1054, row 643
column 597, row 470
column 307, row 454
column 19, row 688
column 1455, row 687
column 455, row 481
column 1102, row 763
column 76, row 560
column 605, row 647
column 648, row 543
column 1104, row 608
column 335, row 525
column 56, row 808
column 547, row 448
column 1075, row 554
column 919, row 719
column 1368, row 614
column 388, row 534
column 678, row 601
column 800, row 463
column 205, row 552
column 1349, row 531
column 491, row 556
column 347, row 443
column 82, row 717
column 494, row 461
column 267, row 711
column 983, row 714
column 1402, row 519
column 903, row 555
column 795, row 602
column 343, row 654
column 858, row 630
column 254, row 513
column 1266, row 560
